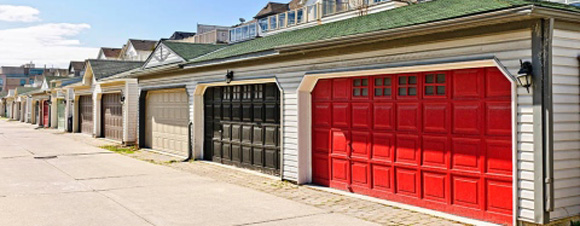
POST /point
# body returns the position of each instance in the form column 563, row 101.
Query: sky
column 54, row 32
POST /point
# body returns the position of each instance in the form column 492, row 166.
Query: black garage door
column 242, row 126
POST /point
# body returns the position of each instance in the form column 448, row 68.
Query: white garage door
column 167, row 118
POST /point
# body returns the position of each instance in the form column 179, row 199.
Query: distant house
column 25, row 75
column 109, row 53
column 180, row 35
column 210, row 34
column 137, row 50
column 76, row 68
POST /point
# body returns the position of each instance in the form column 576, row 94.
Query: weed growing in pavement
column 120, row 149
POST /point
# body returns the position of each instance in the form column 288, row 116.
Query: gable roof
column 105, row 68
column 143, row 45
column 76, row 65
column 396, row 18
column 111, row 52
column 272, row 8
column 187, row 50
column 24, row 90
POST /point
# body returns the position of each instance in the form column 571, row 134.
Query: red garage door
column 45, row 113
column 440, row 140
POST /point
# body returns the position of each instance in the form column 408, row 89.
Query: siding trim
column 542, row 114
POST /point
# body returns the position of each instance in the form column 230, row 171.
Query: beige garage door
column 167, row 118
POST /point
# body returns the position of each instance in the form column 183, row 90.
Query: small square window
column 387, row 91
column 440, row 90
column 378, row 81
column 357, row 82
column 412, row 91
column 402, row 91
column 378, row 92
column 365, row 82
column 429, row 90
column 441, row 78
column 365, row 92
column 412, row 79
column 402, row 80
column 387, row 82
column 356, row 92
column 429, row 78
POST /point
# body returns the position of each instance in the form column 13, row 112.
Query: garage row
column 478, row 120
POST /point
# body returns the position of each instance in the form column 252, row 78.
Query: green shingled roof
column 25, row 90
column 399, row 17
column 191, row 50
column 106, row 68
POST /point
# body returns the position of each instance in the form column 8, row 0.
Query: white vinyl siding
column 566, row 100
column 131, row 112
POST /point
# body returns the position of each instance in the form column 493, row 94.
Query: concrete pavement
column 49, row 178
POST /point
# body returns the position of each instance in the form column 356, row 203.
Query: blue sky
column 111, row 22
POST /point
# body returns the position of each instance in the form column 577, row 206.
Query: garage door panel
column 498, row 118
column 497, row 86
column 408, row 117
column 466, row 118
column 249, row 126
column 383, row 146
column 384, row 116
column 167, row 120
column 361, row 145
column 341, row 89
column 407, row 149
column 466, row 191
column 466, row 154
column 362, row 115
column 406, row 182
column 339, row 142
column 341, row 115
column 499, row 157
column 436, row 117
column 467, row 84
column 340, row 168
column 112, row 116
column 360, row 174
column 382, row 177
column 435, row 186
column 86, row 114
column 440, row 140
column 499, row 196
column 435, row 149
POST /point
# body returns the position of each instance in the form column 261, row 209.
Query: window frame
column 435, row 84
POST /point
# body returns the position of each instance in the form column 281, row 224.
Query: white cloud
column 50, row 44
column 13, row 13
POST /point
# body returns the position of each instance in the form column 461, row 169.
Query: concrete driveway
column 48, row 178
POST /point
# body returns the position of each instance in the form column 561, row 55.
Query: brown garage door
column 86, row 114
column 112, row 116
column 166, row 121
column 242, row 126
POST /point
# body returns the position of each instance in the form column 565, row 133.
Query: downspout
column 189, row 131
column 542, row 110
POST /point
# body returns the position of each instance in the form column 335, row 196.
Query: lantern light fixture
column 229, row 76
column 524, row 76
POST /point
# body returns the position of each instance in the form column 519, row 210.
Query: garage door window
column 383, row 87
column 360, row 87
column 435, row 85
column 407, row 85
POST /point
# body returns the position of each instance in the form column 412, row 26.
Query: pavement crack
column 283, row 219
column 125, row 207
column 111, row 177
